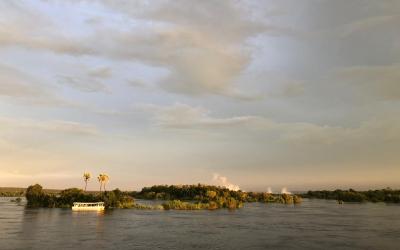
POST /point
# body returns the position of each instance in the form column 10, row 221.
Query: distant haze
column 257, row 95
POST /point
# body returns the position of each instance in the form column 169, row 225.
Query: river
column 315, row 224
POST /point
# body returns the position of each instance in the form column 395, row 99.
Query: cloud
column 13, row 84
column 138, row 83
column 18, row 85
column 28, row 177
column 83, row 84
column 301, row 120
column 223, row 181
column 201, row 57
column 102, row 72
column 183, row 116
column 266, row 84
column 378, row 82
column 56, row 126
column 368, row 23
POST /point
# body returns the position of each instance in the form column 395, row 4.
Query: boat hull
column 87, row 208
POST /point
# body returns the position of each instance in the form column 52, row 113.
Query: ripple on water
column 315, row 224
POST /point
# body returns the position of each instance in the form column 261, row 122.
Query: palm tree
column 103, row 179
column 86, row 178
column 106, row 178
column 100, row 179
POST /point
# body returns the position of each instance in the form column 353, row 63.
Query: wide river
column 315, row 224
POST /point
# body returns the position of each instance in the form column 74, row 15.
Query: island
column 177, row 197
column 186, row 197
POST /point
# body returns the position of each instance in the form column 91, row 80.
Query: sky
column 246, row 94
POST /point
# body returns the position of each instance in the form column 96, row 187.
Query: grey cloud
column 378, row 82
column 139, row 83
column 102, row 72
column 20, row 86
column 57, row 126
column 83, row 84
column 370, row 23
column 270, row 84
column 206, row 17
column 203, row 58
column 182, row 116
column 265, row 142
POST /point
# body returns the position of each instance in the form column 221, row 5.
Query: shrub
column 38, row 198
column 35, row 196
column 297, row 199
column 212, row 205
column 287, row 198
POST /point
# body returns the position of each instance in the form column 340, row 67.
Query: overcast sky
column 298, row 94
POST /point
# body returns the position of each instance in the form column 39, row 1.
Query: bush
column 287, row 198
column 147, row 207
column 116, row 199
column 212, row 205
column 351, row 195
column 205, row 194
column 36, row 197
column 182, row 205
column 297, row 199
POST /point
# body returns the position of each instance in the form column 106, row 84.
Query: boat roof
column 84, row 203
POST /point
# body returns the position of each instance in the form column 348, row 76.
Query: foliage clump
column 36, row 197
column 12, row 192
column 183, row 197
column 208, row 197
column 382, row 195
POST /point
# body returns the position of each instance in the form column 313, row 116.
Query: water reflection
column 96, row 217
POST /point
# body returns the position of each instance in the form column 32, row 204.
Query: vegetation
column 86, row 178
column 182, row 205
column 20, row 192
column 186, row 197
column 103, row 179
column 208, row 197
column 36, row 197
column 17, row 200
column 383, row 195
column 147, row 207
column 12, row 192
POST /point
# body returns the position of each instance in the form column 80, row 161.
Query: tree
column 100, row 179
column 35, row 195
column 211, row 194
column 106, row 178
column 103, row 179
column 86, row 178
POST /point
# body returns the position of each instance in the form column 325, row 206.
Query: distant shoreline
column 20, row 192
column 161, row 192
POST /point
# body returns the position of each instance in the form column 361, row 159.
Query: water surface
column 315, row 224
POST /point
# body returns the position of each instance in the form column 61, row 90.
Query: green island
column 182, row 197
column 387, row 195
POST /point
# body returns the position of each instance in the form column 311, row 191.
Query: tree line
column 213, row 196
column 380, row 195
column 37, row 197
column 186, row 197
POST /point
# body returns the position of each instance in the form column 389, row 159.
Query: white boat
column 88, row 206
